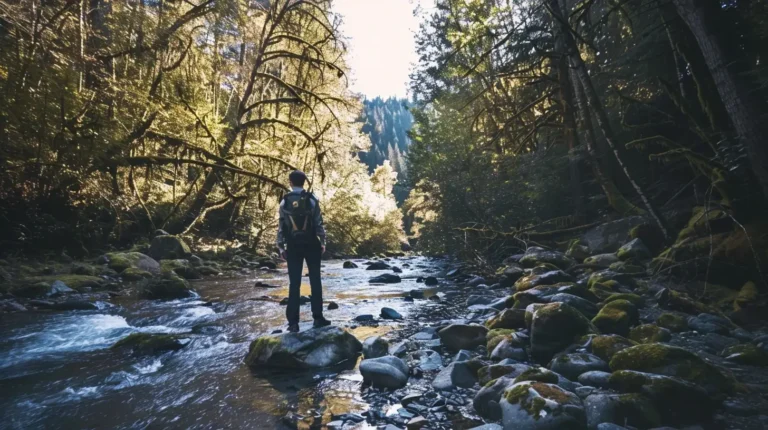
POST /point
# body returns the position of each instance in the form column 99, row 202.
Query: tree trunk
column 738, row 102
column 580, row 71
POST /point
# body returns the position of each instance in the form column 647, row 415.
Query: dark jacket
column 284, row 225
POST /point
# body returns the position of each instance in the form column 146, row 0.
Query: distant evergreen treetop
column 387, row 123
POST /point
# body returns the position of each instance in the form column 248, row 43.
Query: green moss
column 747, row 295
column 746, row 354
column 516, row 393
column 606, row 346
column 616, row 317
column 649, row 333
column 508, row 318
column 76, row 282
column 495, row 336
column 495, row 371
column 632, row 298
column 134, row 274
column 537, row 374
column 672, row 322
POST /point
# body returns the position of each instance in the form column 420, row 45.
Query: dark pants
column 295, row 258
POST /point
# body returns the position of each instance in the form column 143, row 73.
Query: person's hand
column 322, row 249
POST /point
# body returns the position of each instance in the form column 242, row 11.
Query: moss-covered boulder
column 487, row 374
column 577, row 251
column 148, row 343
column 650, row 333
column 180, row 267
column 606, row 346
column 573, row 365
column 82, row 269
column 320, row 347
column 616, row 317
column 672, row 322
column 493, row 337
column 508, row 318
column 634, row 250
column 634, row 410
column 538, row 405
column 463, row 336
column 119, row 261
column 535, row 256
column 538, row 374
column 554, row 327
column 673, row 361
column 168, row 247
column 542, row 277
column 678, row 401
column 746, row 354
column 31, row 290
column 43, row 286
column 586, row 307
column 746, row 297
column 602, row 260
column 486, row 401
column 603, row 290
column 606, row 276
column 636, row 300
column 134, row 274
column 166, row 288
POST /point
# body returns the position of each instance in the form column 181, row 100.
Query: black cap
column 297, row 178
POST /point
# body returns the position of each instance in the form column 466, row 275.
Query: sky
column 381, row 43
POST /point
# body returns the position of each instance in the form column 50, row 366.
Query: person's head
column 297, row 178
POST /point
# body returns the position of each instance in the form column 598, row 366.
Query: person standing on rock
column 300, row 237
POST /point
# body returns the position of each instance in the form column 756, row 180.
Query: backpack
column 298, row 207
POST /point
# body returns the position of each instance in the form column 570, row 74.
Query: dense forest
column 387, row 123
column 120, row 118
column 533, row 118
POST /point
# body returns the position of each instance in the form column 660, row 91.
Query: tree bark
column 738, row 103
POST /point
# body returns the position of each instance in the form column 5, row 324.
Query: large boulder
column 542, row 276
column 610, row 236
column 537, row 405
column 635, row 410
column 634, row 250
column 463, row 336
column 673, row 361
column 535, row 256
column 375, row 347
column 385, row 278
column 180, row 267
column 573, row 365
column 617, row 317
column 167, row 247
column 678, row 401
column 486, row 401
column 510, row 348
column 148, row 343
column 586, row 307
column 456, row 374
column 385, row 372
column 554, row 327
column 606, row 346
column 505, row 368
column 167, row 288
column 320, row 347
column 119, row 261
column 508, row 318
column 602, row 260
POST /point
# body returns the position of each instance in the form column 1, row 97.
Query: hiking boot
column 321, row 322
column 293, row 328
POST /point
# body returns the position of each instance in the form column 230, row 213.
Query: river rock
column 349, row 265
column 378, row 265
column 595, row 378
column 476, row 281
column 507, row 368
column 554, row 327
column 508, row 318
column 480, row 300
column 364, row 318
column 463, row 336
column 486, row 401
column 602, row 260
column 134, row 274
column 537, row 405
column 119, row 261
column 507, row 349
column 385, row 372
column 165, row 289
column 75, row 305
column 587, row 308
column 390, row 314
column 672, row 361
column 375, row 347
column 319, row 347
column 426, row 360
column 536, row 278
column 708, row 323
column 168, row 247
column 606, row 346
column 573, row 365
column 148, row 343
column 510, row 274
column 634, row 410
column 59, row 288
column 616, row 317
column 180, row 267
column 672, row 322
column 456, row 374
column 634, row 250
column 385, row 278
column 746, row 354
column 678, row 401
column 430, row 281
column 649, row 333
column 535, row 256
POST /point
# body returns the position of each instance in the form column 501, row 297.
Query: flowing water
column 57, row 371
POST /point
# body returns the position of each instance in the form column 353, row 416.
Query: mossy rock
column 495, row 336
column 148, row 343
column 533, row 404
column 167, row 288
column 650, row 333
column 134, row 274
column 672, row 322
column 577, row 251
column 679, row 402
column 606, row 346
column 535, row 279
column 76, row 282
column 616, row 317
column 119, row 261
column 538, row 374
column 633, row 410
column 603, row 290
column 605, row 276
column 180, row 267
column 554, row 327
column 487, row 374
column 627, row 268
column 747, row 296
column 673, row 361
column 508, row 318
column 168, row 247
column 634, row 250
column 82, row 269
column 31, row 290
column 746, row 354
column 632, row 298
column 316, row 348
column 537, row 256
column 680, row 301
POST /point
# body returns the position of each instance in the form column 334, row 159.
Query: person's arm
column 280, row 230
column 318, row 221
